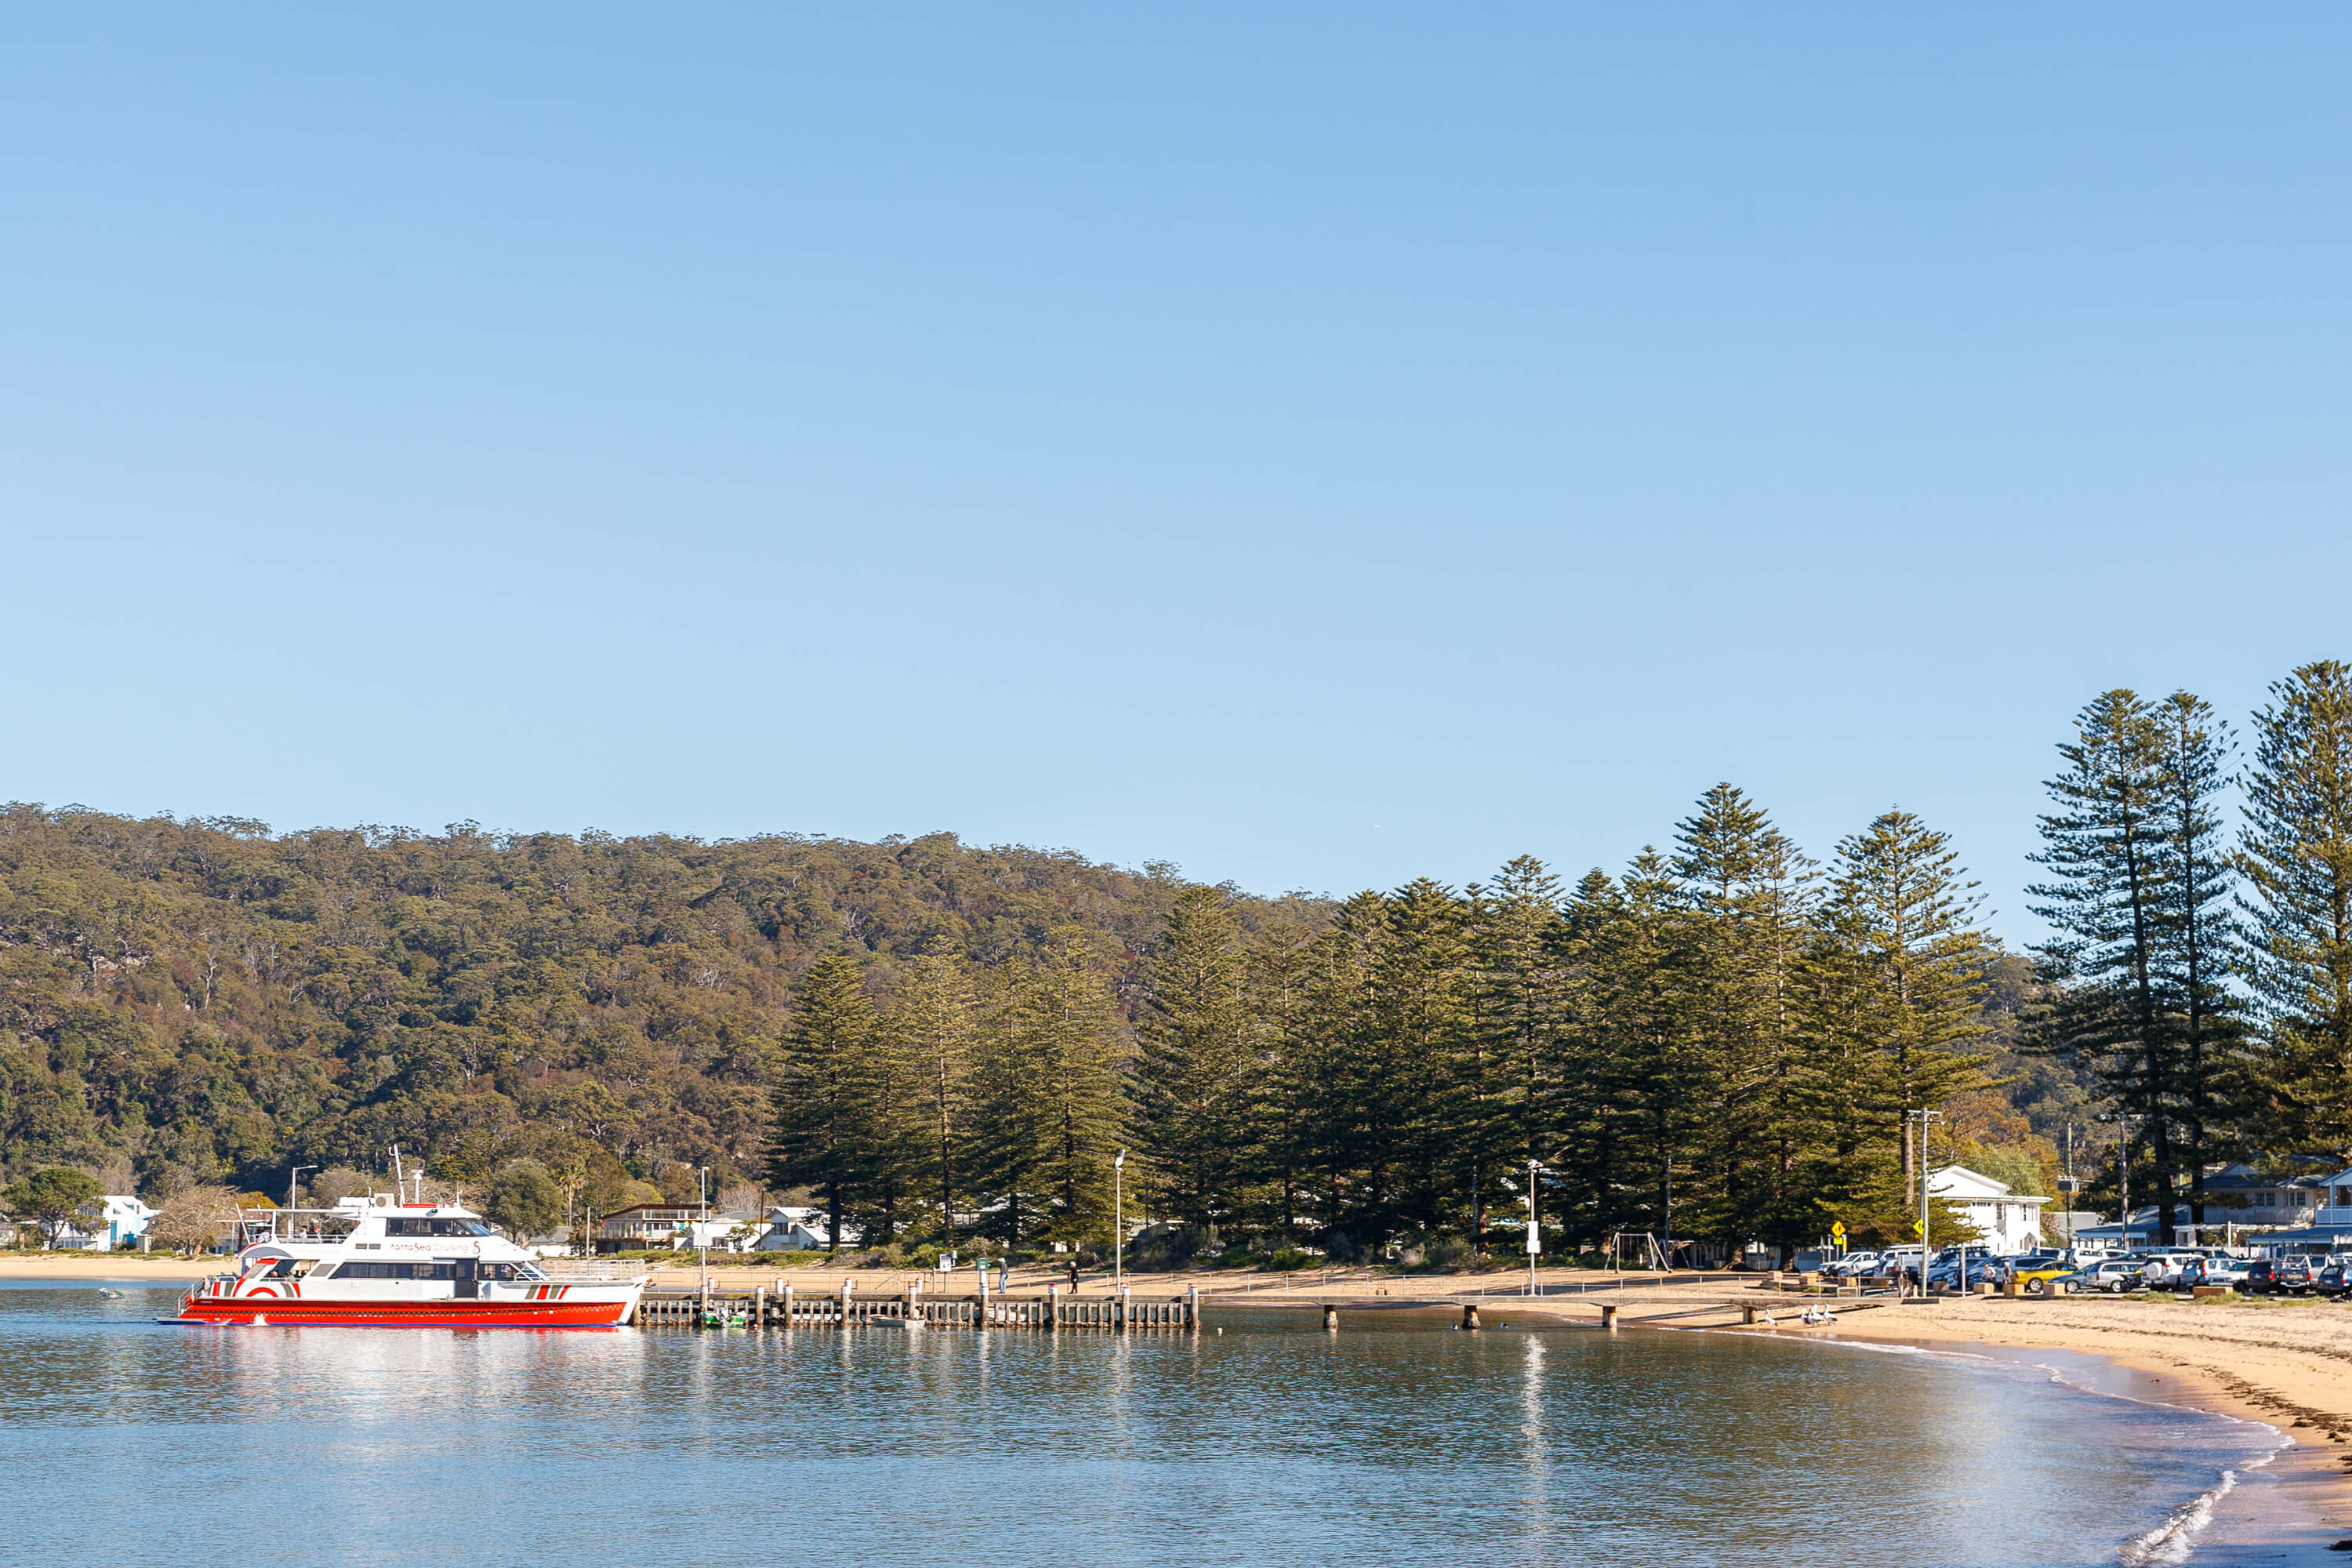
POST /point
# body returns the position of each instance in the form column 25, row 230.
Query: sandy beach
column 94, row 1266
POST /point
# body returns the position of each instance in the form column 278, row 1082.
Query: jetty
column 1694, row 1300
column 784, row 1306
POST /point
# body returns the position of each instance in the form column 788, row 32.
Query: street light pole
column 1535, row 1230
column 1925, row 1117
column 2071, row 1187
column 1119, row 1224
column 2123, row 1121
column 294, row 1181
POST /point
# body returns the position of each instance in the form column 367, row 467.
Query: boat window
column 509, row 1271
column 407, row 1225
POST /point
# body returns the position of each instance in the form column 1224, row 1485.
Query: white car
column 2112, row 1275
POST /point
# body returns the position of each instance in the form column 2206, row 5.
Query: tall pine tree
column 823, row 1129
column 1192, row 1113
column 2200, row 947
column 1050, row 1100
column 1901, row 1003
column 933, row 1026
column 1512, row 1077
column 2110, row 898
column 2296, row 855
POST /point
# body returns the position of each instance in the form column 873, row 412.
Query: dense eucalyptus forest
column 1718, row 1042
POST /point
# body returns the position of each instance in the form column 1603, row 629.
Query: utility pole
column 294, row 1181
column 1119, row 1226
column 2068, row 1186
column 2123, row 1121
column 1534, row 1231
column 1924, row 1118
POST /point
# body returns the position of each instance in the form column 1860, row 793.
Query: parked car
column 2034, row 1270
column 2334, row 1281
column 2161, row 1270
column 2278, row 1276
column 2113, row 1275
column 1853, row 1265
column 2227, row 1272
column 1962, row 1267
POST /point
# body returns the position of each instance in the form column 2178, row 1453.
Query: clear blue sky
column 1319, row 447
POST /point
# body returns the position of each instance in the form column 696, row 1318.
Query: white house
column 729, row 1232
column 121, row 1220
column 2011, row 1222
column 803, row 1230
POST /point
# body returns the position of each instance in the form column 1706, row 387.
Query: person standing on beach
column 1074, row 1276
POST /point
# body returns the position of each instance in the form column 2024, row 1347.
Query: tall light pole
column 2067, row 1185
column 1534, row 1231
column 1924, row 1118
column 293, row 1181
column 1118, row 1222
column 2123, row 1121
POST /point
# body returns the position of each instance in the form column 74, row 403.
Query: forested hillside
column 184, row 1001
column 1727, row 1041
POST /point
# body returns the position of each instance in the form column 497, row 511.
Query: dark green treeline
column 1719, row 1044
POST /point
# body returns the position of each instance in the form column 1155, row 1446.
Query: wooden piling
column 1331, row 1319
column 1608, row 1316
column 1469, row 1314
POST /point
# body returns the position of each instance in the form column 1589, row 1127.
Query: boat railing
column 591, row 1270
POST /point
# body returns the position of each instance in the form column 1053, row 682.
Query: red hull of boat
column 278, row 1312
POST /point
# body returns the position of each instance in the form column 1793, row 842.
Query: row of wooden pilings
column 786, row 1307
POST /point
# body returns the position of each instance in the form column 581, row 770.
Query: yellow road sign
column 1837, row 1228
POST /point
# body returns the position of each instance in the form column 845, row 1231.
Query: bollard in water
column 1331, row 1319
column 1608, row 1316
column 1469, row 1314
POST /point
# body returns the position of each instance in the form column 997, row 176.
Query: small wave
column 2171, row 1541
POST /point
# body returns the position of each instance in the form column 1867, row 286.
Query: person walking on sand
column 1074, row 1276
column 1003, row 1276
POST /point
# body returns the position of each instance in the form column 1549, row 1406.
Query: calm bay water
column 1393, row 1442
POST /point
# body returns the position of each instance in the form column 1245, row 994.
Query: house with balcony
column 645, row 1228
column 2241, row 1205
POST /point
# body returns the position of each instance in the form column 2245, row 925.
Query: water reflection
column 1392, row 1442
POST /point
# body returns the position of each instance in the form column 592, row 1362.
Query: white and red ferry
column 378, row 1262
